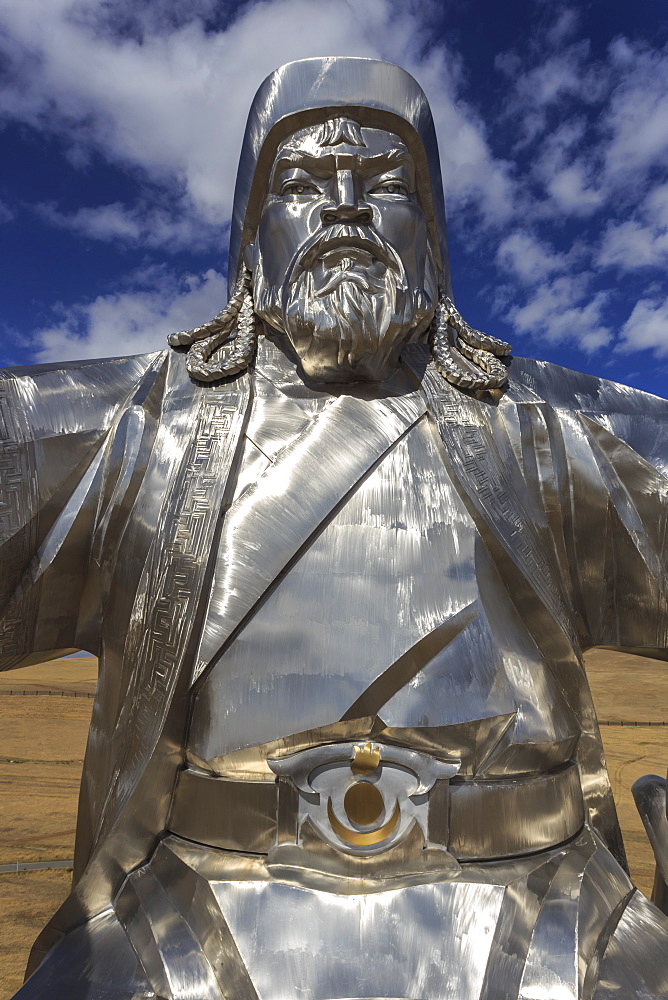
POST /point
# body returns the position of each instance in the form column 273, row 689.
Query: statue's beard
column 345, row 305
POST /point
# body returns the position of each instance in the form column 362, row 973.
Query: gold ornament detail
column 363, row 803
column 365, row 759
column 355, row 837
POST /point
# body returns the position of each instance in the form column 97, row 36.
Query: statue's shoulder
column 636, row 418
column 71, row 397
column 565, row 389
column 118, row 372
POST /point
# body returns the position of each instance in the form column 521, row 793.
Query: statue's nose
column 346, row 213
column 346, row 207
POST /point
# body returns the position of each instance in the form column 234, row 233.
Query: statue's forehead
column 327, row 138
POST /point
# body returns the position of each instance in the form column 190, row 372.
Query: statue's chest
column 391, row 609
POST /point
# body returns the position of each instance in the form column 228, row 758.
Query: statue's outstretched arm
column 610, row 467
column 54, row 426
column 632, row 531
column 649, row 793
column 630, row 449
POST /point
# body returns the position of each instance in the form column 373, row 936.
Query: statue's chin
column 319, row 366
column 348, row 326
column 365, row 370
column 347, row 352
column 355, row 337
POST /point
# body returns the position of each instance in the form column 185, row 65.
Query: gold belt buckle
column 361, row 800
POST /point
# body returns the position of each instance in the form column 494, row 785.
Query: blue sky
column 122, row 122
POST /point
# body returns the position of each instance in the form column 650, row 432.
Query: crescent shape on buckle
column 362, row 839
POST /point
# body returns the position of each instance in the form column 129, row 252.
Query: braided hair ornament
column 226, row 344
column 230, row 335
column 486, row 371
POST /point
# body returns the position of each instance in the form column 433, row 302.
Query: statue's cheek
column 283, row 228
column 404, row 226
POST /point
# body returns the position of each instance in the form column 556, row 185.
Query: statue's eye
column 391, row 187
column 298, row 187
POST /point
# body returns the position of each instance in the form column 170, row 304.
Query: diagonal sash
column 409, row 665
column 496, row 494
column 268, row 526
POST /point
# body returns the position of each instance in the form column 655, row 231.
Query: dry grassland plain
column 43, row 738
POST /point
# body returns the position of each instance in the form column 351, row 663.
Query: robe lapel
column 505, row 511
column 188, row 473
column 203, row 425
column 510, row 520
column 270, row 523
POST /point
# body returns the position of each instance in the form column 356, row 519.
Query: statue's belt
column 363, row 811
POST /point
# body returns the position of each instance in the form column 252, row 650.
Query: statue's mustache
column 352, row 272
column 343, row 237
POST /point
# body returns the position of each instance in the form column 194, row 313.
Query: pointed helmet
column 309, row 91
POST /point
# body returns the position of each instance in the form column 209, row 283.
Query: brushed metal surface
column 309, row 91
column 534, row 927
column 649, row 793
column 270, row 566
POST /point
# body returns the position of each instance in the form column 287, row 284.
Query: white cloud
column 563, row 27
column 647, row 327
column 566, row 175
column 168, row 96
column 135, row 320
column 100, row 223
column 563, row 309
column 597, row 128
column 631, row 246
column 640, row 242
column 7, row 214
column 528, row 258
column 656, row 205
column 637, row 119
column 559, row 75
column 588, row 161
column 473, row 175
column 174, row 228
column 571, row 191
column 556, row 80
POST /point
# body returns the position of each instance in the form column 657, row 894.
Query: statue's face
column 341, row 261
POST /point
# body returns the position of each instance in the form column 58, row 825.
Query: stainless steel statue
column 339, row 555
